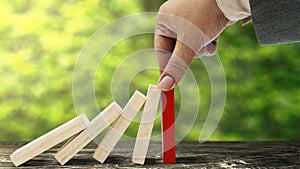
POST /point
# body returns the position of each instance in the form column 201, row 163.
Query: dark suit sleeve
column 276, row 21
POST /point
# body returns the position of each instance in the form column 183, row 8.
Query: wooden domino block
column 114, row 134
column 146, row 125
column 49, row 140
column 96, row 126
column 168, row 128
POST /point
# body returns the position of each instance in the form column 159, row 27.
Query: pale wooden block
column 69, row 149
column 98, row 124
column 138, row 160
column 101, row 154
column 142, row 143
column 114, row 134
column 146, row 125
column 49, row 140
column 106, row 117
column 151, row 105
column 133, row 106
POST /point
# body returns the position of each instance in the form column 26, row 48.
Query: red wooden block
column 168, row 126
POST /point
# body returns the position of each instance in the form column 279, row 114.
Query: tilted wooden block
column 146, row 125
column 114, row 134
column 96, row 126
column 49, row 140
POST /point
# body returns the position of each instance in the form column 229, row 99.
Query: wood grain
column 189, row 155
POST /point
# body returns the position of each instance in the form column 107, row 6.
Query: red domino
column 168, row 127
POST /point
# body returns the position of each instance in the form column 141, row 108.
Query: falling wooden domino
column 49, row 140
column 96, row 126
column 114, row 134
column 146, row 125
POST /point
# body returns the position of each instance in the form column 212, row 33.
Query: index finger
column 164, row 47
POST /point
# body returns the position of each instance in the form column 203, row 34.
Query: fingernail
column 166, row 83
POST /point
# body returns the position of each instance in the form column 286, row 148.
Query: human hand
column 185, row 29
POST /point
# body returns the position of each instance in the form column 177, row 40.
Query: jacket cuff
column 235, row 10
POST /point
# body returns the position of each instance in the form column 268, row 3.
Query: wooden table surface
column 189, row 155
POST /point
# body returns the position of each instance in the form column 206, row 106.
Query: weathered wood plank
column 189, row 155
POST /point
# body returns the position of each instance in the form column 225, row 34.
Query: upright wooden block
column 97, row 125
column 49, row 140
column 168, row 127
column 146, row 125
column 114, row 134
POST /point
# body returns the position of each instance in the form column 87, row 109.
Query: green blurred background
column 40, row 42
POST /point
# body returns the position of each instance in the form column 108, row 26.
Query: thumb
column 178, row 64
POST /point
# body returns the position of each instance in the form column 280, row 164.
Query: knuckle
column 164, row 8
